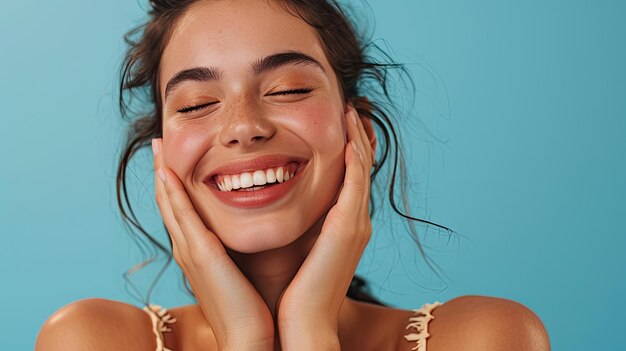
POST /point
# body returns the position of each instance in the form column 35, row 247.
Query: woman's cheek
column 182, row 150
column 319, row 123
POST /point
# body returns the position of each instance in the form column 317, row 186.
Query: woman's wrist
column 304, row 338
column 250, row 346
column 247, row 341
column 311, row 342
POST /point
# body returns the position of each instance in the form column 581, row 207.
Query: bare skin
column 267, row 260
column 466, row 323
column 368, row 327
column 257, row 272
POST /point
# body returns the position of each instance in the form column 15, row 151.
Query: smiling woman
column 264, row 150
column 255, row 124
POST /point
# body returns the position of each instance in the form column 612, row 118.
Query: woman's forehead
column 229, row 35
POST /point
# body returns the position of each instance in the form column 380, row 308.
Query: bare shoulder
column 97, row 324
column 486, row 323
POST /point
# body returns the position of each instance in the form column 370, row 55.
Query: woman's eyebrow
column 265, row 64
column 198, row 74
column 275, row 61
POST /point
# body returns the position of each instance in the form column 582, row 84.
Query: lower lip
column 258, row 198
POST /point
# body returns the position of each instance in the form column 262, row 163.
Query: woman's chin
column 249, row 242
column 265, row 239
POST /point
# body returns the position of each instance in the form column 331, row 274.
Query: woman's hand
column 235, row 311
column 308, row 312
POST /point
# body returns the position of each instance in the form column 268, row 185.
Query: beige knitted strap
column 420, row 322
column 160, row 318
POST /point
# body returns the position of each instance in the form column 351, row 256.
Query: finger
column 348, row 202
column 355, row 133
column 364, row 143
column 357, row 136
column 194, row 240
column 355, row 192
column 178, row 240
column 201, row 242
column 367, row 155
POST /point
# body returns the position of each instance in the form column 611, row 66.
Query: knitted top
column 420, row 322
column 160, row 319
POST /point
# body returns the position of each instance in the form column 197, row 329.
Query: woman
column 263, row 148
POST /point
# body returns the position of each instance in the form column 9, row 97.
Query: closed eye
column 193, row 108
column 292, row 91
column 188, row 109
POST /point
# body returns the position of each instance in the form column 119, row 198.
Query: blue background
column 528, row 96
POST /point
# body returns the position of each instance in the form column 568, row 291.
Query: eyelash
column 292, row 91
column 300, row 91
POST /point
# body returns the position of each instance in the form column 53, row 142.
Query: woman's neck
column 271, row 271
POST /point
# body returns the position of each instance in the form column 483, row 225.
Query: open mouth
column 257, row 179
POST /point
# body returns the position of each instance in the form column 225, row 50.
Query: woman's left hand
column 308, row 312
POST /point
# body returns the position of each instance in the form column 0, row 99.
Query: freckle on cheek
column 176, row 128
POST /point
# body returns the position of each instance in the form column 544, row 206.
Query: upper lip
column 257, row 163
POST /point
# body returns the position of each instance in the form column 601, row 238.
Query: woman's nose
column 244, row 129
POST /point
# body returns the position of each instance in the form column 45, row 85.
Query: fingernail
column 353, row 117
column 162, row 175
column 155, row 147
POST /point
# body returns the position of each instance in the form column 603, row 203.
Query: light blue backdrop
column 530, row 96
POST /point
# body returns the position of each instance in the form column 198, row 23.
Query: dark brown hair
column 363, row 82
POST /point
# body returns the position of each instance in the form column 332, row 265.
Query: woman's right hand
column 237, row 314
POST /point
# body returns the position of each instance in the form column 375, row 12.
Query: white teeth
column 246, row 180
column 271, row 175
column 259, row 178
column 228, row 184
column 279, row 174
column 235, row 180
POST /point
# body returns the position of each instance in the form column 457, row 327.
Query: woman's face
column 247, row 91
